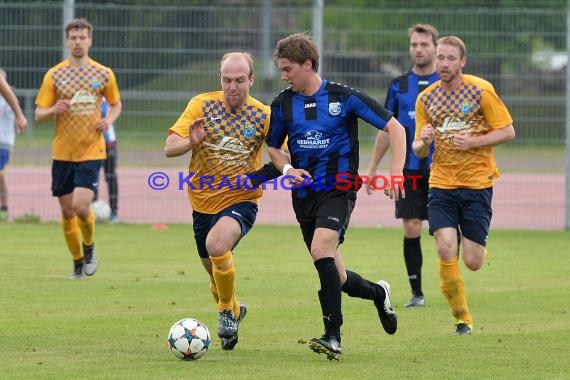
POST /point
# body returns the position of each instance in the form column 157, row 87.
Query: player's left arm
column 381, row 145
column 374, row 113
column 111, row 93
column 382, row 141
column 465, row 141
column 500, row 123
column 10, row 96
column 113, row 113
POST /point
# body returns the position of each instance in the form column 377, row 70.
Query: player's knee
column 446, row 251
column 82, row 210
column 412, row 228
column 319, row 252
column 215, row 248
column 473, row 262
column 473, row 265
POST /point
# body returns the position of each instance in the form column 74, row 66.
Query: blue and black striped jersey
column 322, row 131
column 401, row 100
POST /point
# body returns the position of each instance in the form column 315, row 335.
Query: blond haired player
column 224, row 131
column 71, row 93
column 465, row 117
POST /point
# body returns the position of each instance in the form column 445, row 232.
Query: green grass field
column 114, row 325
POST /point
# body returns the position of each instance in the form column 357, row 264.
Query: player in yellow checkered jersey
column 224, row 130
column 71, row 93
column 465, row 117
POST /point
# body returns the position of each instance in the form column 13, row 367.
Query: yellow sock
column 214, row 291
column 87, row 227
column 72, row 236
column 225, row 282
column 453, row 289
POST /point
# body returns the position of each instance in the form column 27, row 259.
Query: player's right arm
column 281, row 161
column 187, row 131
column 275, row 139
column 47, row 104
column 380, row 148
column 45, row 114
column 177, row 145
column 425, row 134
column 422, row 142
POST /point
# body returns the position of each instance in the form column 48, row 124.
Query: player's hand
column 395, row 189
column 21, row 124
column 61, row 106
column 427, row 134
column 196, row 132
column 464, row 141
column 102, row 125
column 248, row 184
column 368, row 185
column 297, row 177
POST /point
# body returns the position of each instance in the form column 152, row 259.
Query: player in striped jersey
column 320, row 120
column 401, row 100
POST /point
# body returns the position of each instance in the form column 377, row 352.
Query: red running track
column 521, row 201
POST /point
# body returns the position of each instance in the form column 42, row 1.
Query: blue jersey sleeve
column 369, row 109
column 277, row 130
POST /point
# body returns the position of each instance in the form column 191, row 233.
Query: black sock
column 330, row 296
column 356, row 286
column 414, row 260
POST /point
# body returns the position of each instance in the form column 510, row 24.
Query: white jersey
column 7, row 125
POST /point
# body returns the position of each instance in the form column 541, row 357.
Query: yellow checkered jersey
column 473, row 107
column 75, row 137
column 231, row 148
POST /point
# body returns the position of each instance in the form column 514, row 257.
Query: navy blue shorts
column 469, row 209
column 324, row 209
column 244, row 212
column 67, row 175
column 4, row 158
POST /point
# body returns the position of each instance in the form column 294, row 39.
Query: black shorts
column 414, row 205
column 245, row 213
column 324, row 209
column 467, row 208
column 67, row 175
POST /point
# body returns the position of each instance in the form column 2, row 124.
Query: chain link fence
column 164, row 55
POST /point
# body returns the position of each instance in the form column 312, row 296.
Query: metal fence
column 164, row 55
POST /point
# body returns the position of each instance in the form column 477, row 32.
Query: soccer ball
column 101, row 210
column 188, row 339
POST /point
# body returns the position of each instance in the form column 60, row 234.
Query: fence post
column 567, row 220
column 318, row 8
column 68, row 9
